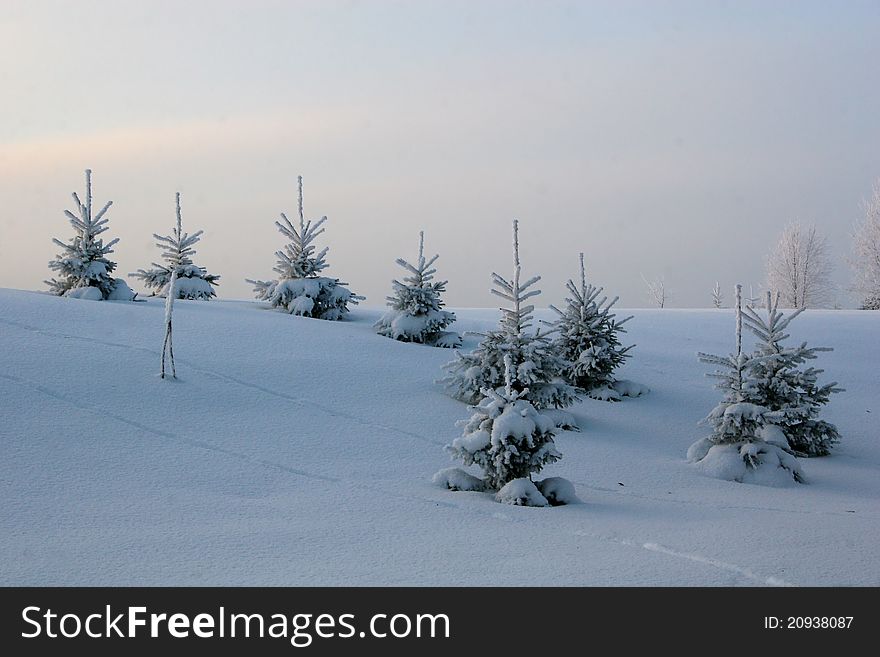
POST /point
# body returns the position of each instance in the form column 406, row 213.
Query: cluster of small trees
column 84, row 270
column 517, row 379
column 772, row 399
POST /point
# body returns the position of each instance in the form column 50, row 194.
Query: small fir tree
column 510, row 440
column 717, row 295
column 740, row 446
column 300, row 290
column 536, row 368
column 83, row 266
column 417, row 313
column 781, row 382
column 587, row 338
column 192, row 281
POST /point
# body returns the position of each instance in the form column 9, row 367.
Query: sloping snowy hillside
column 295, row 451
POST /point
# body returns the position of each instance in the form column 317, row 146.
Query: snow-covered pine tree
column 717, row 295
column 740, row 447
column 299, row 290
column 417, row 313
column 510, row 440
column 781, row 382
column 193, row 282
column 587, row 338
column 83, row 266
column 536, row 369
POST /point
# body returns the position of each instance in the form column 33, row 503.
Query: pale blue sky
column 664, row 138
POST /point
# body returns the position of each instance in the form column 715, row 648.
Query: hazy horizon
column 672, row 139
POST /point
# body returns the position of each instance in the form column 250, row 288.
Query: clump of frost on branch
column 781, row 381
column 587, row 338
column 510, row 440
column 744, row 444
column 193, row 282
column 299, row 290
column 83, row 266
column 535, row 367
column 417, row 313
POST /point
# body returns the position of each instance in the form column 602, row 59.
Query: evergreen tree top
column 298, row 259
column 177, row 247
column 88, row 227
column 515, row 320
column 422, row 273
column 584, row 304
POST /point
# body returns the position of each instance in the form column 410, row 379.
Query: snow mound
column 749, row 463
column 561, row 419
column 458, row 479
column 558, row 491
column 630, row 388
column 521, row 492
column 604, row 393
column 121, row 291
column 89, row 293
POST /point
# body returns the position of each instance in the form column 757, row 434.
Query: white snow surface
column 295, row 451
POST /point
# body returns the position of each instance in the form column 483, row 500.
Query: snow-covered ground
column 296, row 451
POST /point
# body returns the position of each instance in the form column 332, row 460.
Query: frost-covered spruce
column 587, row 337
column 83, row 266
column 417, row 313
column 783, row 383
column 193, row 282
column 509, row 439
column 299, row 289
column 537, row 368
column 744, row 445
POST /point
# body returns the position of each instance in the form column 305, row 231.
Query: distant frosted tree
column 83, row 266
column 588, row 337
column 866, row 253
column 657, row 291
column 717, row 295
column 299, row 289
column 753, row 300
column 780, row 380
column 740, row 447
column 536, row 367
column 417, row 313
column 799, row 268
column 193, row 282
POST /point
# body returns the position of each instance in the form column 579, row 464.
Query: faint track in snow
column 201, row 444
column 723, row 565
column 333, row 412
column 688, row 556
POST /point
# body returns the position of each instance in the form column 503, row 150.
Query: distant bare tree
column 657, row 291
column 866, row 253
column 717, row 295
column 799, row 268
